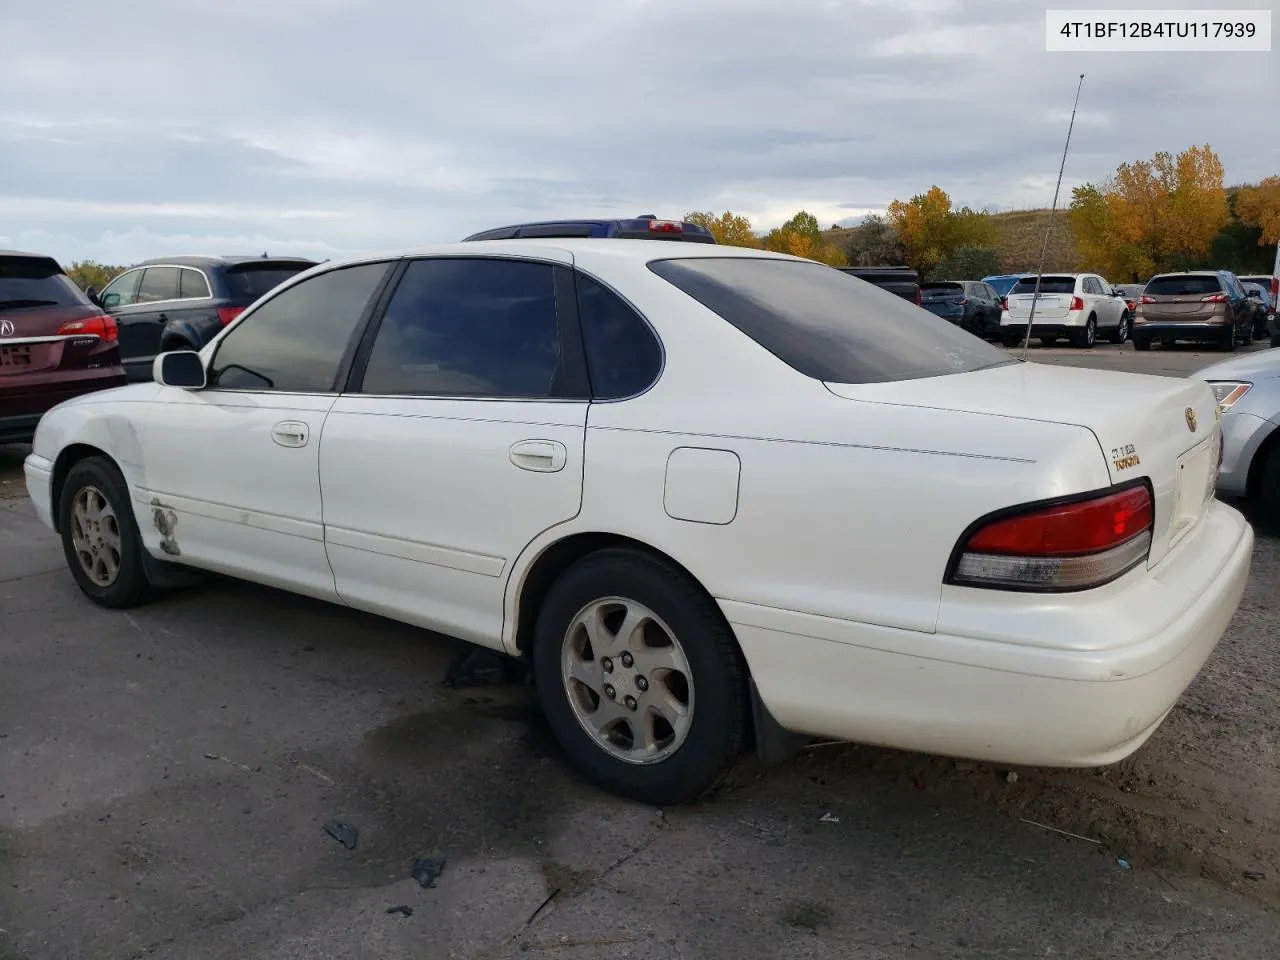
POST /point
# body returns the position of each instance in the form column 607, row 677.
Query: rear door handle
column 291, row 433
column 540, row 456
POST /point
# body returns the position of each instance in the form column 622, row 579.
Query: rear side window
column 468, row 327
column 158, row 283
column 1047, row 285
column 36, row 282
column 193, row 285
column 826, row 324
column 1177, row 286
column 247, row 282
column 296, row 341
column 623, row 356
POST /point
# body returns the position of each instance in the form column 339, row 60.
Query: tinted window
column 193, row 284
column 123, row 290
column 463, row 327
column 250, row 281
column 623, row 356
column 825, row 323
column 1183, row 286
column 938, row 290
column 1047, row 285
column 36, row 282
column 295, row 342
column 158, row 283
column 989, row 292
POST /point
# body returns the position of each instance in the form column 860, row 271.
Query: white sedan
column 709, row 493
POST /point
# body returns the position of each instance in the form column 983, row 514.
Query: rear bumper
column 1175, row 330
column 1011, row 700
column 21, row 410
column 19, row 429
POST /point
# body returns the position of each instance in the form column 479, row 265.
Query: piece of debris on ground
column 343, row 832
column 403, row 909
column 427, row 871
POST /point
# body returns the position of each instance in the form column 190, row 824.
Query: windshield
column 1047, row 285
column 826, row 324
column 36, row 282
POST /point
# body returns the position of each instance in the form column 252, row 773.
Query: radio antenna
column 1044, row 249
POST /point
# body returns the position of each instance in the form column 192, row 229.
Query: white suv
column 1076, row 305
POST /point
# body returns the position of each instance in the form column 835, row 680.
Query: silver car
column 1248, row 392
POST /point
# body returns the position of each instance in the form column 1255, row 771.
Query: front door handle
column 540, row 456
column 291, row 433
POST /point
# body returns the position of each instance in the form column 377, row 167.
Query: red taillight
column 103, row 327
column 1214, row 298
column 1275, row 289
column 666, row 226
column 1077, row 303
column 919, row 298
column 1146, row 299
column 1131, row 304
column 227, row 314
column 1067, row 546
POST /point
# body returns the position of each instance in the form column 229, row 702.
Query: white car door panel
column 426, row 506
column 232, row 471
column 452, row 455
column 234, row 497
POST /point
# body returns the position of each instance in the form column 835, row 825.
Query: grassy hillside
column 1021, row 236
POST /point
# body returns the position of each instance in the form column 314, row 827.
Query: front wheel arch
column 67, row 458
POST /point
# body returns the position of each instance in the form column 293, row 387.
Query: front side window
column 623, row 356
column 295, row 342
column 826, row 324
column 468, row 327
column 158, row 283
column 122, row 291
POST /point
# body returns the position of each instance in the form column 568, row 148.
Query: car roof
column 584, row 227
column 570, row 249
column 27, row 253
column 213, row 260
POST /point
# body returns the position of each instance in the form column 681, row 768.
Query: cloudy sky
column 323, row 127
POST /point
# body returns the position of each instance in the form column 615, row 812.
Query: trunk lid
column 1190, row 309
column 1163, row 429
column 32, row 342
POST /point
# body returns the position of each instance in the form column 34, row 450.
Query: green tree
column 967, row 263
column 874, row 243
column 801, row 236
column 90, row 273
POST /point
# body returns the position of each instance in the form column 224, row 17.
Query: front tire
column 100, row 535
column 640, row 678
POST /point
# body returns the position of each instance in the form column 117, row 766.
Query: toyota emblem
column 1191, row 419
column 6, row 328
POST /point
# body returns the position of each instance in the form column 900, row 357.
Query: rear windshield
column 935, row 290
column 1183, row 286
column 36, row 282
column 826, row 324
column 251, row 280
column 1047, row 285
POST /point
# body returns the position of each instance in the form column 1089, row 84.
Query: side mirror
column 109, row 301
column 179, row 368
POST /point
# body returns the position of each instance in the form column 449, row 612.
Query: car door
column 459, row 440
column 232, row 470
column 140, row 322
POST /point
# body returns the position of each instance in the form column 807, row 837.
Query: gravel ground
column 165, row 775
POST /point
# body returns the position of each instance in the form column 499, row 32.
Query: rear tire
column 1141, row 343
column 100, row 535
column 1228, row 342
column 1269, row 484
column 1010, row 340
column 1122, row 332
column 592, row 686
column 1085, row 338
column 1048, row 341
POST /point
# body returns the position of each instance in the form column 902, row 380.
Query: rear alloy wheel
column 100, row 536
column 1122, row 331
column 640, row 678
column 1085, row 337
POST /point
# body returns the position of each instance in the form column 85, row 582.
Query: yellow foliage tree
column 1152, row 215
column 929, row 229
column 90, row 273
column 728, row 228
column 1259, row 206
column 802, row 237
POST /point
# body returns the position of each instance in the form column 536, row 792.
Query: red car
column 54, row 343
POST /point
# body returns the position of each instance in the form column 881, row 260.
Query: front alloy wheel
column 95, row 536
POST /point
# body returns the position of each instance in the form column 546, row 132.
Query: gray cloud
column 328, row 126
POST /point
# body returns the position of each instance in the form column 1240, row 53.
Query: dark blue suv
column 179, row 303
column 645, row 227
